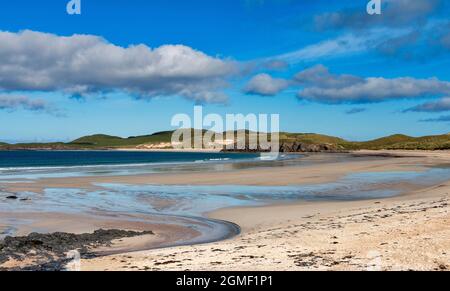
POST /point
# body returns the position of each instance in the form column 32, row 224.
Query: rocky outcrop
column 48, row 251
column 298, row 147
column 295, row 147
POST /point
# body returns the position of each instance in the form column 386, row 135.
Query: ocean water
column 63, row 164
column 29, row 159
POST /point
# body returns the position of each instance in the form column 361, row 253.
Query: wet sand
column 408, row 232
column 411, row 231
column 312, row 169
column 166, row 231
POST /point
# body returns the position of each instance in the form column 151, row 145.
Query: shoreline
column 213, row 151
column 322, row 168
column 318, row 236
column 171, row 231
column 313, row 236
column 287, row 218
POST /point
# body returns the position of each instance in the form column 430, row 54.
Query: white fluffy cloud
column 409, row 29
column 320, row 75
column 265, row 85
column 15, row 102
column 83, row 64
column 395, row 13
column 340, row 46
column 435, row 106
column 322, row 86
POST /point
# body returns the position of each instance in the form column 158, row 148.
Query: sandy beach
column 247, row 135
column 311, row 169
column 410, row 231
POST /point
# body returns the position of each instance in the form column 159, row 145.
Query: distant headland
column 289, row 142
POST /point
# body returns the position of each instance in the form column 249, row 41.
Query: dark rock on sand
column 15, row 197
column 46, row 247
column 294, row 147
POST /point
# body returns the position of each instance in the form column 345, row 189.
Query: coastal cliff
column 296, row 147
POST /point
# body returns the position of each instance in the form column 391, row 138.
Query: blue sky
column 324, row 67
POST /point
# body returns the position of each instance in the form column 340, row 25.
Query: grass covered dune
column 101, row 141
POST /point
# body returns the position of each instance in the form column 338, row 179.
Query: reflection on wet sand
column 176, row 211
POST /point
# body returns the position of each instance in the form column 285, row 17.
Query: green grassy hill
column 393, row 142
column 385, row 141
column 101, row 141
column 436, row 142
column 310, row 138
